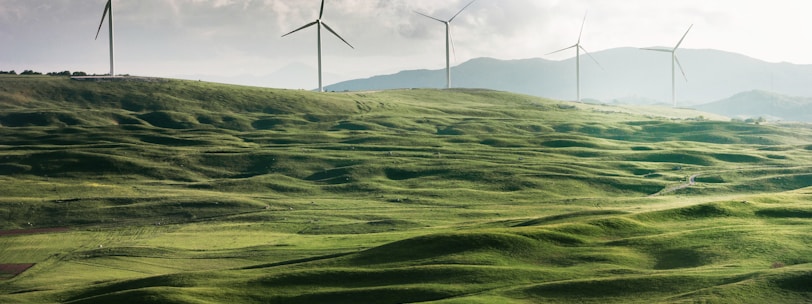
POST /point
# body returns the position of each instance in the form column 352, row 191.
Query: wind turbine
column 448, row 42
column 578, row 49
column 108, row 10
column 674, row 60
column 318, row 24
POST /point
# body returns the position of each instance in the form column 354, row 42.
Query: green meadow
column 169, row 191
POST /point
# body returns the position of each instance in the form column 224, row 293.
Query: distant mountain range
column 757, row 103
column 289, row 76
column 625, row 75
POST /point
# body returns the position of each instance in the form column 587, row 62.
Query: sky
column 240, row 41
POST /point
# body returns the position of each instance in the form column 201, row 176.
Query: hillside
column 771, row 106
column 625, row 75
column 154, row 190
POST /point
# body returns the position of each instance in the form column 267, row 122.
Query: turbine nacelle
column 108, row 13
column 319, row 24
column 578, row 48
column 449, row 42
column 674, row 63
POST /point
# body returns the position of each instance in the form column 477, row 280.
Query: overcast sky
column 195, row 38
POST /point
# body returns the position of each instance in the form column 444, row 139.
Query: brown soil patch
column 8, row 271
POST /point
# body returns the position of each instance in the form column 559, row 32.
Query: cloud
column 10, row 12
column 244, row 35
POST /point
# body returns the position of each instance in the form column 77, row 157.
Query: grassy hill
column 155, row 190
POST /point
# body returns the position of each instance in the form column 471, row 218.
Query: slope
column 181, row 192
column 664, row 256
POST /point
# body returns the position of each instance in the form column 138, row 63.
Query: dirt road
column 691, row 182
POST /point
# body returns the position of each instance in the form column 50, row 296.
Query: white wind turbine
column 578, row 49
column 108, row 10
column 318, row 24
column 674, row 61
column 448, row 42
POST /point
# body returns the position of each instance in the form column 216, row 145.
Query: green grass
column 190, row 192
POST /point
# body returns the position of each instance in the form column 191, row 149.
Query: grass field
column 172, row 191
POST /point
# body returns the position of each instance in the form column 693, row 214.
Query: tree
column 63, row 73
column 756, row 121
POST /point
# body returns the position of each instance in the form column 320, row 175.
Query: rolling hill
column 625, row 75
column 138, row 190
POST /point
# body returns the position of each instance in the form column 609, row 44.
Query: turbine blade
column 657, row 50
column 680, row 68
column 106, row 9
column 561, row 50
column 321, row 12
column 590, row 56
column 453, row 50
column 301, row 28
column 582, row 29
column 427, row 16
column 683, row 37
column 455, row 16
column 337, row 35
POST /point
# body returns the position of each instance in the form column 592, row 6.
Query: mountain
column 295, row 76
column 625, row 75
column 758, row 103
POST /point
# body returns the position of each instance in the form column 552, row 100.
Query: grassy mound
column 434, row 248
column 635, row 289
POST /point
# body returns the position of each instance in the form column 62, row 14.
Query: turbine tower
column 318, row 23
column 578, row 47
column 674, row 61
column 108, row 10
column 448, row 42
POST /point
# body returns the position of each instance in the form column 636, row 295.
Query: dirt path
column 691, row 182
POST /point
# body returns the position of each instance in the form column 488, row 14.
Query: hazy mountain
column 289, row 76
column 758, row 103
column 625, row 75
